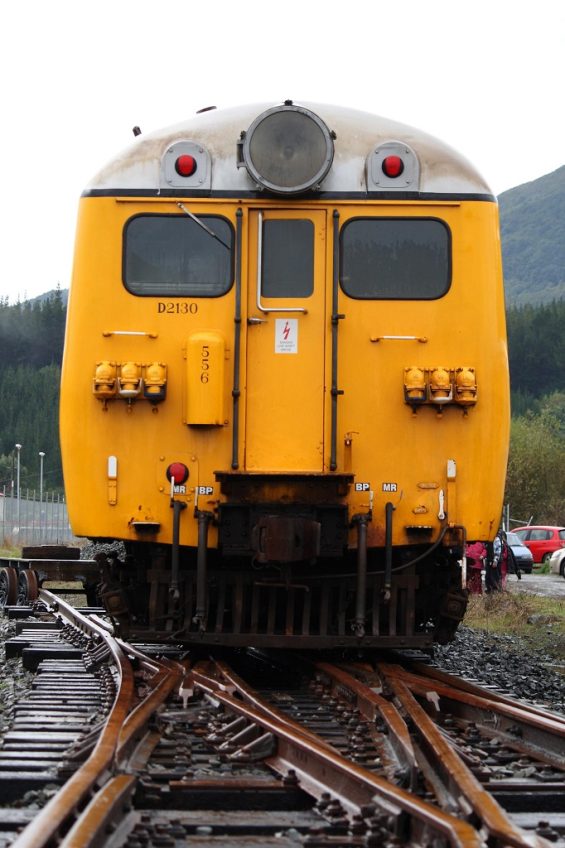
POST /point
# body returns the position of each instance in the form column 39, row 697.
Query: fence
column 29, row 520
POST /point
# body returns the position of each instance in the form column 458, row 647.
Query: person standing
column 513, row 565
column 475, row 553
column 493, row 578
column 503, row 559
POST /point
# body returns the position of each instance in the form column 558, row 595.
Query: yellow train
column 285, row 381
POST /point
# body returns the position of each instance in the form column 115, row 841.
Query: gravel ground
column 548, row 585
column 507, row 663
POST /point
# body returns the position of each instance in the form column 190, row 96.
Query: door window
column 288, row 258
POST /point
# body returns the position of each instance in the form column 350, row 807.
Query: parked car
column 522, row 555
column 557, row 562
column 542, row 540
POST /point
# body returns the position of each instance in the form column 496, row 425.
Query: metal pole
column 41, row 458
column 204, row 519
column 389, row 509
column 32, row 516
column 18, row 493
column 361, row 595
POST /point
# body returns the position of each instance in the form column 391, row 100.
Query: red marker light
column 393, row 166
column 186, row 165
column 179, row 471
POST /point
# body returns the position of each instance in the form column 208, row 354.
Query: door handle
column 254, row 320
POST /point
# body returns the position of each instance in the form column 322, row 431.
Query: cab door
column 286, row 330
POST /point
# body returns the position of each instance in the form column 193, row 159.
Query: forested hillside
column 532, row 220
column 31, row 342
column 536, row 348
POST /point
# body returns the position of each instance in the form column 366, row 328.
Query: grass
column 541, row 568
column 10, row 552
column 539, row 620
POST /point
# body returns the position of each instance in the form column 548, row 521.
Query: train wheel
column 28, row 587
column 8, row 586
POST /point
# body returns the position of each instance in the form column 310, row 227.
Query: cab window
column 175, row 256
column 395, row 258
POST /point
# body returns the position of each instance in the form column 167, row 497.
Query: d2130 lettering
column 182, row 308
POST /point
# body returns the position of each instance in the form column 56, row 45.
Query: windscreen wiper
column 203, row 225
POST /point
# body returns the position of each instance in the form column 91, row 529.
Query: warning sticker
column 286, row 335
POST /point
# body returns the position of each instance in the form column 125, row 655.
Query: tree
column 535, row 482
column 536, row 345
column 29, row 400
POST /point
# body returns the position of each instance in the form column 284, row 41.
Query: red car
column 541, row 540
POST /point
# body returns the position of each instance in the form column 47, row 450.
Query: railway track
column 137, row 748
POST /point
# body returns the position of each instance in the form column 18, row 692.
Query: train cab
column 285, row 379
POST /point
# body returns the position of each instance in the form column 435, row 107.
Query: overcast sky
column 486, row 76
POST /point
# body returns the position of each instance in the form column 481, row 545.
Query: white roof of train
column 441, row 169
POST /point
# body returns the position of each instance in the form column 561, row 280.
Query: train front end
column 285, row 383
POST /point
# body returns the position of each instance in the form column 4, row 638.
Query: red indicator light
column 393, row 166
column 179, row 471
column 185, row 165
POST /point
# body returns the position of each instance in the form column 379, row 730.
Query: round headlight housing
column 288, row 150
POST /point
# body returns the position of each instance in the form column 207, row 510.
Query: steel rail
column 168, row 676
column 370, row 704
column 89, row 626
column 320, row 769
column 106, row 805
column 476, row 689
column 236, row 684
column 460, row 780
column 55, row 816
column 126, row 721
column 102, row 813
column 542, row 733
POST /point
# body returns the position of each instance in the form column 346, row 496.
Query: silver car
column 557, row 562
column 523, row 556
